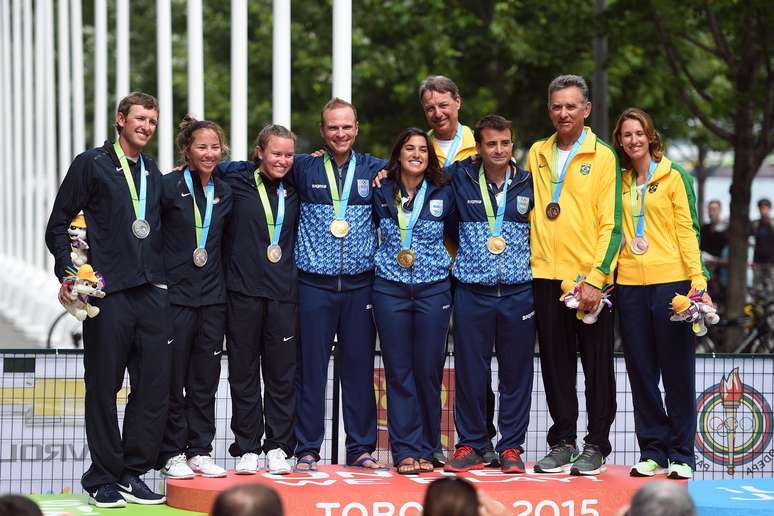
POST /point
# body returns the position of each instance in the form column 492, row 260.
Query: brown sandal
column 425, row 466
column 408, row 466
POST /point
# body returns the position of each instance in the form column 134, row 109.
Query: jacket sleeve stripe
column 688, row 185
column 615, row 236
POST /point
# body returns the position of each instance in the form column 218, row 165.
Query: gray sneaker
column 491, row 458
column 558, row 460
column 590, row 462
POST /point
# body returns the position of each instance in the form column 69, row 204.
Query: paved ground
column 12, row 338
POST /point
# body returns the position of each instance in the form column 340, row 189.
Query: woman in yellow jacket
column 659, row 257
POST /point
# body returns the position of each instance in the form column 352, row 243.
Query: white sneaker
column 277, row 462
column 247, row 465
column 204, row 465
column 177, row 468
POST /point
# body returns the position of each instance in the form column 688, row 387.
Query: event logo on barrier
column 735, row 425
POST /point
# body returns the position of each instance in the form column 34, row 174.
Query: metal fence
column 43, row 444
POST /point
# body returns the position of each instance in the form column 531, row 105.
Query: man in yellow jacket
column 441, row 101
column 576, row 229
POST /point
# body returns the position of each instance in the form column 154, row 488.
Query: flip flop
column 366, row 457
column 425, row 466
column 309, row 461
column 405, row 467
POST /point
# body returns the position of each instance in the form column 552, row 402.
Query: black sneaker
column 558, row 460
column 439, row 459
column 134, row 490
column 590, row 462
column 510, row 461
column 106, row 496
column 465, row 458
column 491, row 459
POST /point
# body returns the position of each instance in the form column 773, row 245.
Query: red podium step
column 344, row 491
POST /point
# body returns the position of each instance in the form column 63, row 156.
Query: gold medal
column 406, row 258
column 495, row 244
column 339, row 228
column 639, row 245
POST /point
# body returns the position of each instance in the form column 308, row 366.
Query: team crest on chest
column 362, row 187
column 585, row 169
column 436, row 207
column 652, row 188
column 522, row 204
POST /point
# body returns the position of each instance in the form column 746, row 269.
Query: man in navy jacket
column 119, row 190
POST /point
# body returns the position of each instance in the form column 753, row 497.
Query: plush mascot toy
column 78, row 246
column 569, row 297
column 693, row 310
column 86, row 284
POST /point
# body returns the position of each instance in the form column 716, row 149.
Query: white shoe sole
column 107, row 505
column 591, row 472
column 561, row 469
column 676, row 476
column 176, row 477
column 637, row 473
column 282, row 471
column 213, row 475
column 246, row 472
column 141, row 501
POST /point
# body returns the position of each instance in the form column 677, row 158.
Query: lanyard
column 407, row 227
column 558, row 181
column 496, row 225
column 639, row 220
column 274, row 228
column 340, row 203
column 454, row 147
column 201, row 229
column 138, row 202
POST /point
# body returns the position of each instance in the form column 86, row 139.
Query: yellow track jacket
column 586, row 236
column 466, row 149
column 671, row 229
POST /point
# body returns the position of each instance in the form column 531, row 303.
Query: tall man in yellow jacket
column 441, row 101
column 576, row 229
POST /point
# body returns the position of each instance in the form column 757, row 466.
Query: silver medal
column 141, row 228
column 200, row 257
column 274, row 253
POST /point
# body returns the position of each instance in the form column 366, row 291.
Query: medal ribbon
column 558, row 180
column 275, row 229
column 340, row 202
column 495, row 222
column 137, row 202
column 639, row 220
column 454, row 147
column 407, row 227
column 202, row 230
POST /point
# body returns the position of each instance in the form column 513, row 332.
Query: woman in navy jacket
column 194, row 208
column 411, row 295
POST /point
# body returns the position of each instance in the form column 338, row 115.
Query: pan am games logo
column 735, row 423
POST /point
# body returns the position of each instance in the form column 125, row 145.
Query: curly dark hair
column 434, row 173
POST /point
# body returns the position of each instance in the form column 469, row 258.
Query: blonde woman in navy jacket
column 659, row 257
column 412, row 295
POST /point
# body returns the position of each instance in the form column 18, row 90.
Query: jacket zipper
column 341, row 240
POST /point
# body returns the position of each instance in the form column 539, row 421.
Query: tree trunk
column 701, row 178
column 745, row 167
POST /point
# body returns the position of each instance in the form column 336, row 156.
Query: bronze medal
column 495, row 244
column 339, row 228
column 274, row 253
column 639, row 245
column 553, row 210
